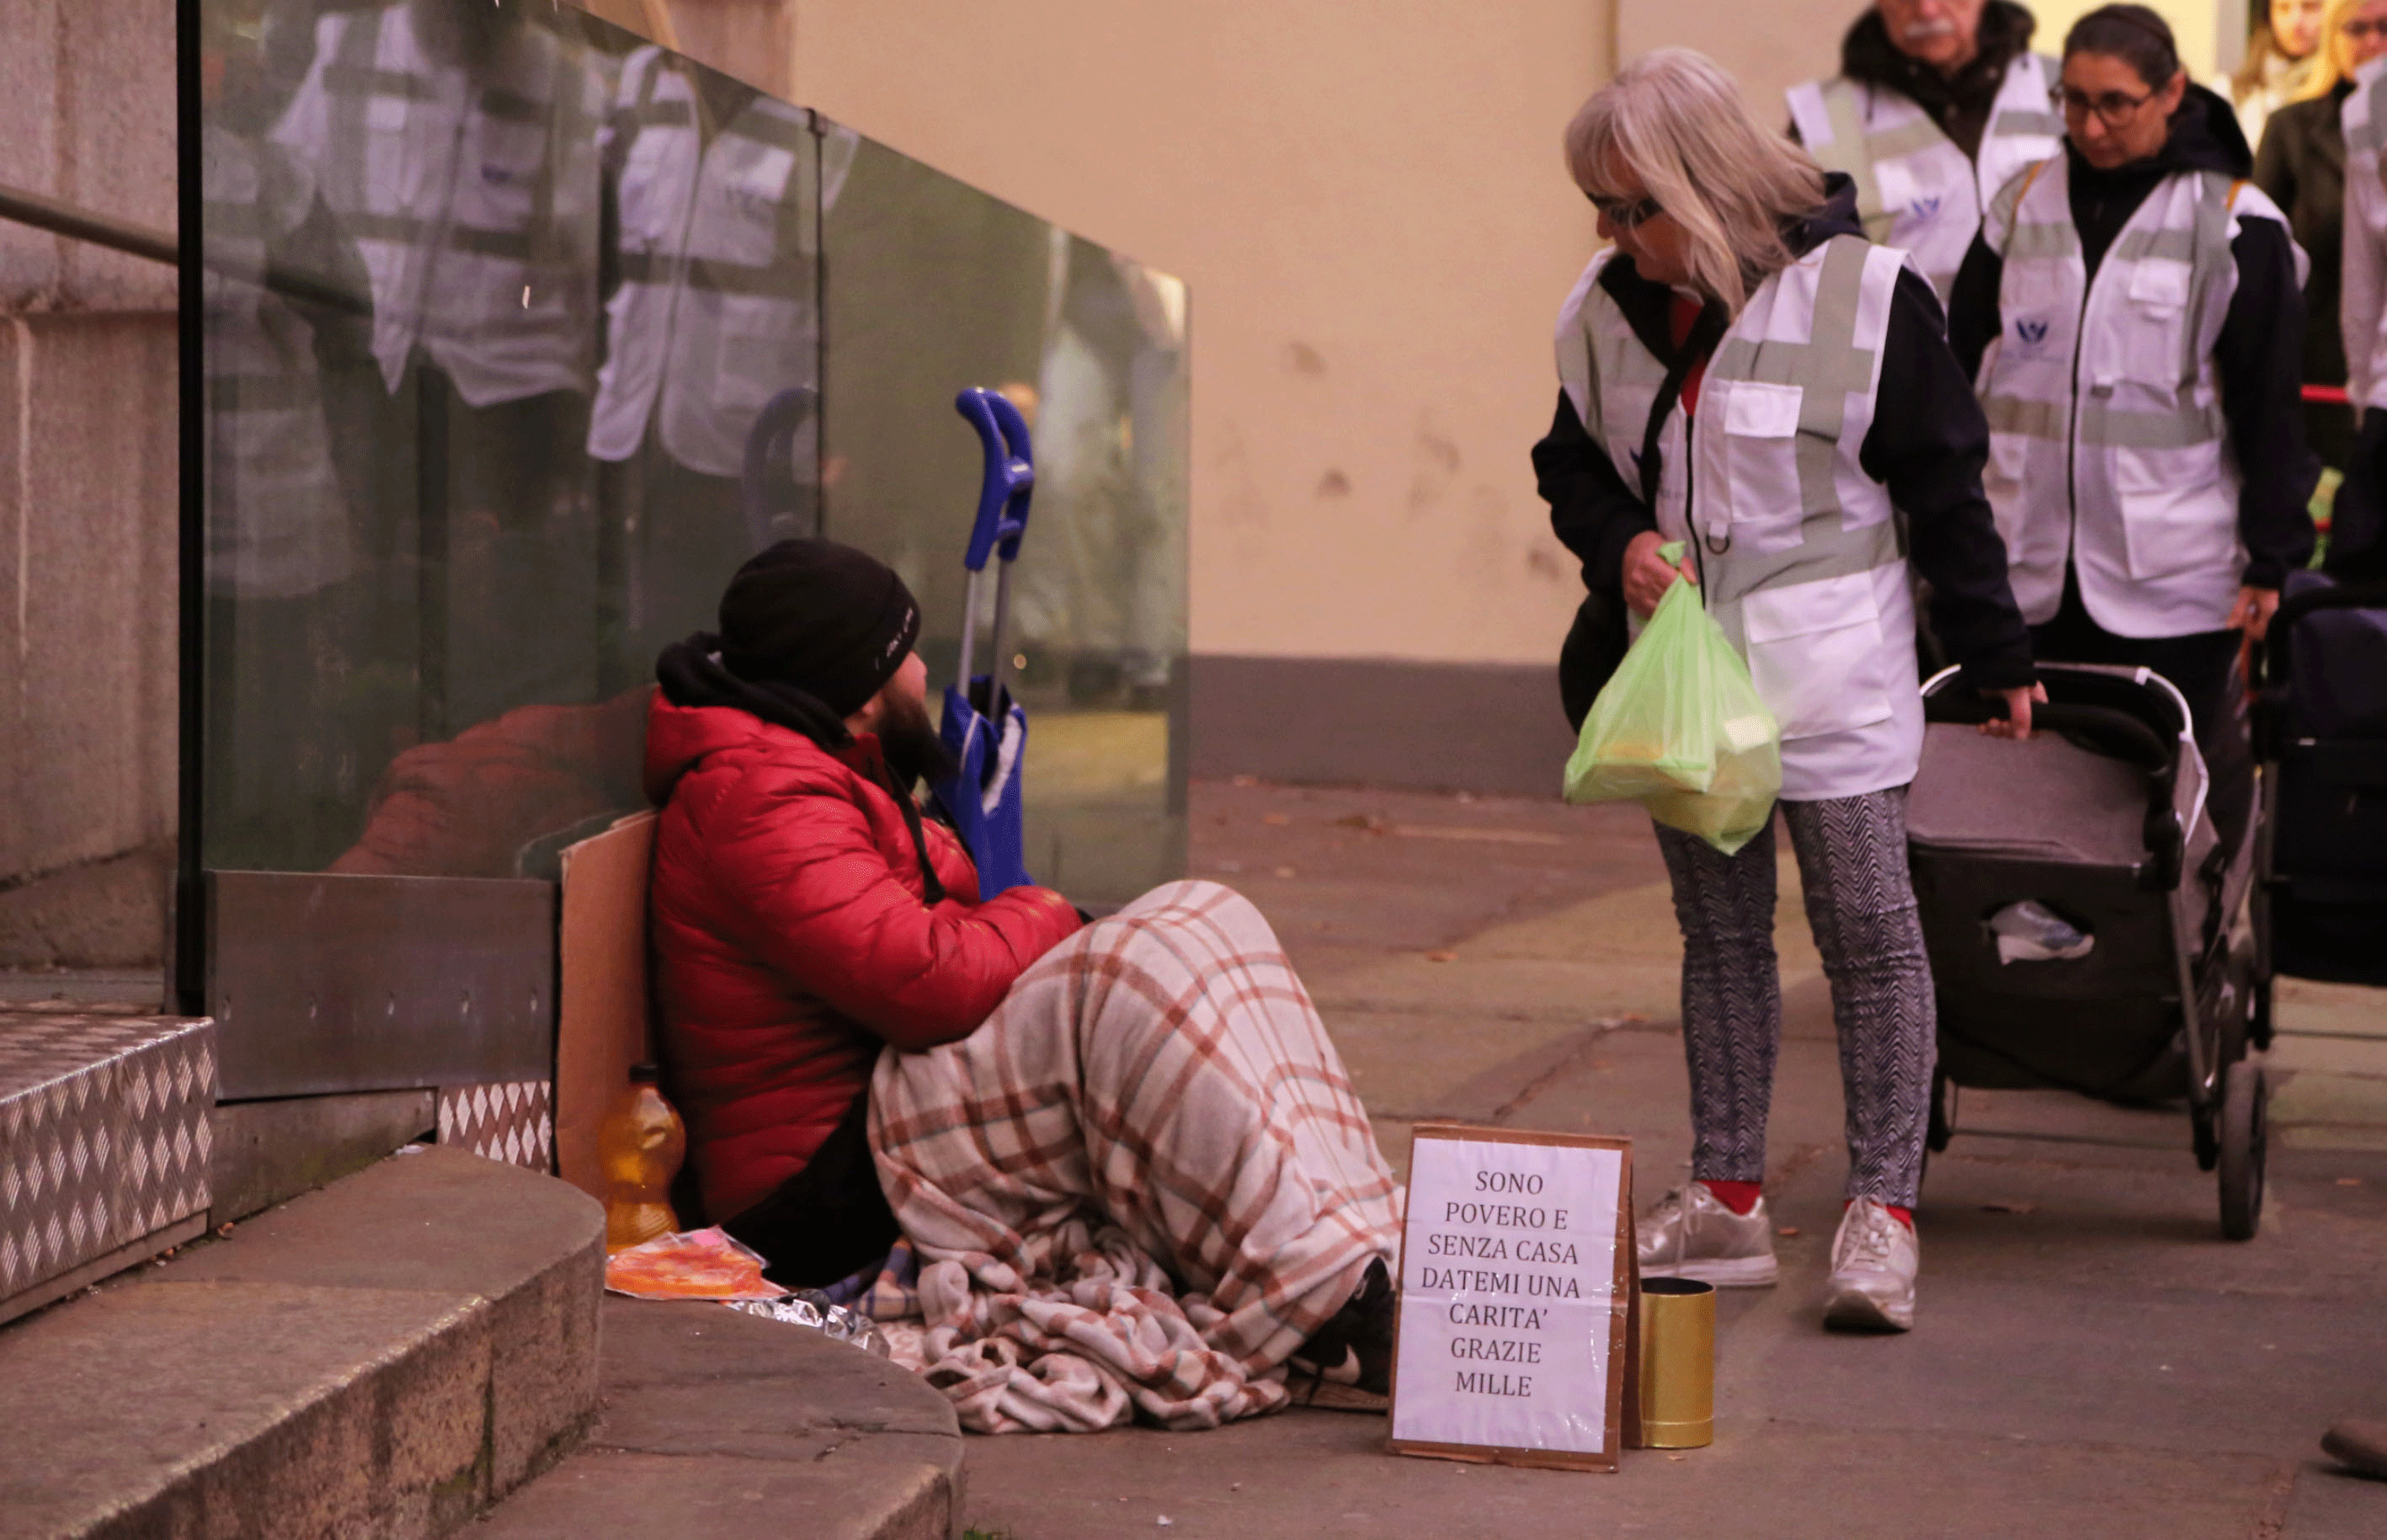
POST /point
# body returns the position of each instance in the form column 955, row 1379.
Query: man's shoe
column 2358, row 1447
column 1346, row 1365
column 1690, row 1234
column 1874, row 1262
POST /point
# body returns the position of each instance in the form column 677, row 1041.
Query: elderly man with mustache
column 1938, row 102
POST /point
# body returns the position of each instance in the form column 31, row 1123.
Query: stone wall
column 87, row 491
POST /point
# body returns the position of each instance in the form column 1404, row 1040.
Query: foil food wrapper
column 812, row 1308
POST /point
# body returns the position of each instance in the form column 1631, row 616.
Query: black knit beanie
column 820, row 616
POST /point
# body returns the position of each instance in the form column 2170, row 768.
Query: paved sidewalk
column 2090, row 1357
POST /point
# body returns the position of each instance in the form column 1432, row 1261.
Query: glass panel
column 934, row 287
column 514, row 335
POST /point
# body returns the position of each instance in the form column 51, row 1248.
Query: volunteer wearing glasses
column 2138, row 305
column 1743, row 371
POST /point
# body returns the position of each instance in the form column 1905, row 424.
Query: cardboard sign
column 1516, row 1278
column 602, row 1003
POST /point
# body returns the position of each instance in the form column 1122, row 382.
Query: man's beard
column 910, row 742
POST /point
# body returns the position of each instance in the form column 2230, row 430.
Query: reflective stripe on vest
column 1916, row 190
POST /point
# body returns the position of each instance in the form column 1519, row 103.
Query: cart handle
column 1010, row 475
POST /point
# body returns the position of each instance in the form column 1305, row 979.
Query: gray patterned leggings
column 1861, row 906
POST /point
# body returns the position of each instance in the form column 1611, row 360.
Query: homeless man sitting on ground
column 1136, row 1173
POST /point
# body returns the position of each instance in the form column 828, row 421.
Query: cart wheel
column 2204, row 1135
column 2245, row 1132
column 2259, row 1022
column 1942, row 1125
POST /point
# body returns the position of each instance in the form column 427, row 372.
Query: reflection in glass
column 515, row 332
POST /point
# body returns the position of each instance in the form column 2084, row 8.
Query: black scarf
column 691, row 674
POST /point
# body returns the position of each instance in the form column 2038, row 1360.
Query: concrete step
column 386, row 1357
column 714, row 1424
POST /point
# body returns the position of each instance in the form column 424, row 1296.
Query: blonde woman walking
column 1743, row 371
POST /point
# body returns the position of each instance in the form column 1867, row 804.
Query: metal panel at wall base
column 104, row 1139
column 514, row 1123
column 322, row 983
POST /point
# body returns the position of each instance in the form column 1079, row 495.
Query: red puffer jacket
column 791, row 941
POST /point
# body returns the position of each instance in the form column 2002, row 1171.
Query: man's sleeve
column 1591, row 511
column 1927, row 445
column 806, row 886
column 2259, row 356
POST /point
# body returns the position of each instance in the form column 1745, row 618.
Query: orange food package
column 696, row 1264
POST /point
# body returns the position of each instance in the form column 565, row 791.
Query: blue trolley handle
column 1001, row 519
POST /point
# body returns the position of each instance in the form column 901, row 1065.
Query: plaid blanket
column 1140, row 1185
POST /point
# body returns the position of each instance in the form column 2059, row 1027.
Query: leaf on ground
column 2009, row 1205
column 1442, row 956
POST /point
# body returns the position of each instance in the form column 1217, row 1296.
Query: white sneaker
column 1690, row 1234
column 1873, row 1261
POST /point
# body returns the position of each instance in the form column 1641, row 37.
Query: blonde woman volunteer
column 2147, row 459
column 1744, row 372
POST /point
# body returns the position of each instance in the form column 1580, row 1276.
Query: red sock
column 1738, row 1196
column 1900, row 1212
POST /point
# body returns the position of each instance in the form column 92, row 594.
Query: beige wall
column 1369, row 204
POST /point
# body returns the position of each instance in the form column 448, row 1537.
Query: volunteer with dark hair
column 1083, row 1118
column 2144, row 395
column 1938, row 102
column 1742, row 370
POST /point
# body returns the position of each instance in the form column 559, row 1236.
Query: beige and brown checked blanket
column 1140, row 1185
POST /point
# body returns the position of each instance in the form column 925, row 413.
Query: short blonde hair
column 1677, row 123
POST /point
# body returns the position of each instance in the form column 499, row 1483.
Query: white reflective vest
column 2362, row 312
column 277, row 525
column 1801, row 561
column 2107, row 446
column 470, row 192
column 1916, row 190
column 718, row 308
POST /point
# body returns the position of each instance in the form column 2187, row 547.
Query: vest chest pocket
column 1760, row 454
column 1817, row 653
column 2152, row 350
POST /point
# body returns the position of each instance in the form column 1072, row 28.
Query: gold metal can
column 1678, row 1366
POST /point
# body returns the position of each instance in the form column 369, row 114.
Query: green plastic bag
column 1680, row 728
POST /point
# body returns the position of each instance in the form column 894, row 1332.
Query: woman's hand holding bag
column 1680, row 728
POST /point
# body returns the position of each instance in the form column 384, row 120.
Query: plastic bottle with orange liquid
column 641, row 1145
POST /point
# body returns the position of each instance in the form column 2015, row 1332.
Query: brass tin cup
column 1677, row 1363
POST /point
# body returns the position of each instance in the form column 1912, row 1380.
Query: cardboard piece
column 1516, row 1288
column 601, row 1000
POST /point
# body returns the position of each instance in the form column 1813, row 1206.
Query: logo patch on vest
column 2030, row 337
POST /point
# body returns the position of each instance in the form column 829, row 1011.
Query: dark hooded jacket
column 2259, row 356
column 1961, row 104
column 1927, row 445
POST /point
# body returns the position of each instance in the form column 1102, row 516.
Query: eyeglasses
column 2113, row 109
column 2360, row 30
column 1626, row 215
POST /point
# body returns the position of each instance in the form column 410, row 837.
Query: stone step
column 387, row 1357
column 714, row 1424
